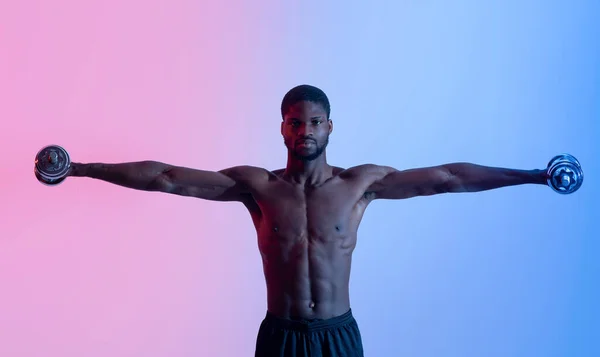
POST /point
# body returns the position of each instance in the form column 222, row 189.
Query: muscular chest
column 297, row 214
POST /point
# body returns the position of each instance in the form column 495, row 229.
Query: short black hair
column 307, row 93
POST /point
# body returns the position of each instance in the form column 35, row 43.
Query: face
column 305, row 129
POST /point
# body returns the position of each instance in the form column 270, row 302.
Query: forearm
column 466, row 177
column 140, row 175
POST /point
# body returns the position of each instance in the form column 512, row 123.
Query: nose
column 305, row 131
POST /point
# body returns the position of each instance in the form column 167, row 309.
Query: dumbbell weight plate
column 565, row 174
column 564, row 157
column 49, row 182
column 52, row 164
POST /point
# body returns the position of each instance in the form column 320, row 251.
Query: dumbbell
column 564, row 174
column 52, row 164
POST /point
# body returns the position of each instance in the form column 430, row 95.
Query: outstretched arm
column 226, row 185
column 450, row 178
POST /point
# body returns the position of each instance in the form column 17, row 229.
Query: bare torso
column 306, row 237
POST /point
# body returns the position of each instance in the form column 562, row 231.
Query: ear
column 281, row 128
column 330, row 124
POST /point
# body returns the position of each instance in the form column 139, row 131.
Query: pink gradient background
column 90, row 269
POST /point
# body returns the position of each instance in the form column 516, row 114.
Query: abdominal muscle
column 307, row 278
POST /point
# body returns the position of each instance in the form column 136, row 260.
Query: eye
column 317, row 122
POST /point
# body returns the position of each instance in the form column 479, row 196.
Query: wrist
column 76, row 169
column 541, row 176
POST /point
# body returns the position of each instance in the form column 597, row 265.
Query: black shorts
column 335, row 337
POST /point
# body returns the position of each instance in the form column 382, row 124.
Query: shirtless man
column 306, row 217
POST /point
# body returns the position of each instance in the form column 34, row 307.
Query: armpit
column 369, row 196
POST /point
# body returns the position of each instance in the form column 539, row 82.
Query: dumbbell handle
column 53, row 157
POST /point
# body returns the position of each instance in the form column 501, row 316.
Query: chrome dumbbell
column 52, row 164
column 564, row 174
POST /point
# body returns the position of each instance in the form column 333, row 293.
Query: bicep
column 225, row 185
column 396, row 184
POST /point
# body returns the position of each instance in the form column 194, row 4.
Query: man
column 307, row 216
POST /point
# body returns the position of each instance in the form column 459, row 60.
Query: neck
column 307, row 172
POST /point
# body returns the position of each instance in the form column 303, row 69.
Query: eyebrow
column 311, row 118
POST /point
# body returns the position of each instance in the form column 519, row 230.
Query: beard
column 309, row 156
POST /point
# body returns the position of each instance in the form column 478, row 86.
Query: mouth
column 305, row 142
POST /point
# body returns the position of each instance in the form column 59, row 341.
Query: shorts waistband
column 310, row 325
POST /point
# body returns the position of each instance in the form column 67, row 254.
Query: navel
column 337, row 228
column 275, row 229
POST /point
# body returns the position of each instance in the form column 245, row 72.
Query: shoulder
column 246, row 173
column 277, row 172
column 367, row 171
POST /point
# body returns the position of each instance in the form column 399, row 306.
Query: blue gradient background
column 510, row 272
